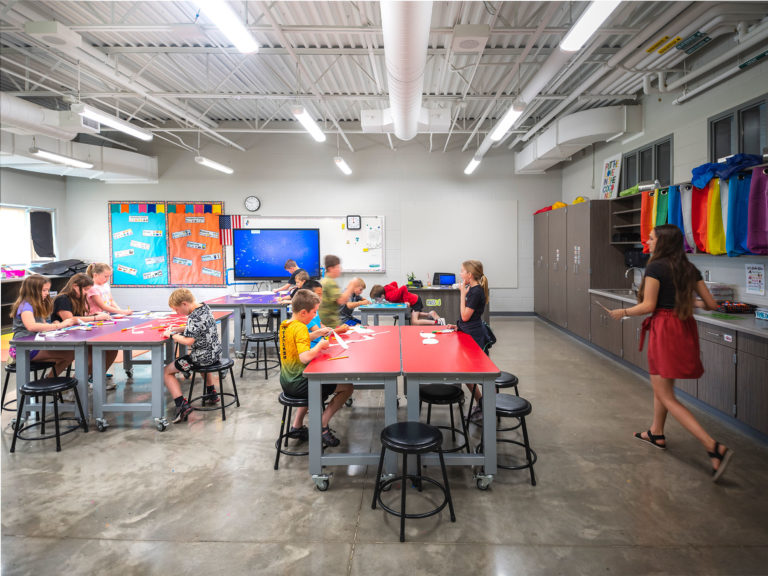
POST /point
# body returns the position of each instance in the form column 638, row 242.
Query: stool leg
column 286, row 423
column 528, row 450
column 447, row 487
column 453, row 426
column 469, row 409
column 429, row 413
column 80, row 409
column 377, row 483
column 192, row 384
column 464, row 427
column 418, row 472
column 264, row 349
column 42, row 421
column 280, row 437
column 16, row 426
column 221, row 397
column 245, row 355
column 234, row 387
column 402, row 498
column 56, row 423
column 5, row 388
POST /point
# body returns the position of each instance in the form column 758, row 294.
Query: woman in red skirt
column 668, row 293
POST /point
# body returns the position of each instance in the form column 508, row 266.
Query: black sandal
column 724, row 459
column 653, row 440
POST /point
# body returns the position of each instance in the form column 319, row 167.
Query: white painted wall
column 294, row 176
column 688, row 123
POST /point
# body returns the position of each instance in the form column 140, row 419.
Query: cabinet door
column 717, row 387
column 557, row 267
column 752, row 390
column 577, row 274
column 632, row 329
column 604, row 331
column 541, row 264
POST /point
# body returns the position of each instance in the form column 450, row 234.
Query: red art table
column 372, row 361
column 242, row 305
column 455, row 359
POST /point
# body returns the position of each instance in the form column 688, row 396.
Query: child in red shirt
column 399, row 294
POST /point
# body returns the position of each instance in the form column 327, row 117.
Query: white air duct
column 405, row 26
column 21, row 117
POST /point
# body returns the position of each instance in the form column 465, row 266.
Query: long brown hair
column 685, row 276
column 475, row 268
column 79, row 303
column 32, row 291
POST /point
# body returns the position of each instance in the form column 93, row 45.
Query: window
column 26, row 235
column 651, row 162
column 740, row 130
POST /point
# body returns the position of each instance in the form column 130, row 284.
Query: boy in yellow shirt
column 295, row 354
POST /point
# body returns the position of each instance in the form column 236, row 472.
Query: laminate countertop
column 742, row 322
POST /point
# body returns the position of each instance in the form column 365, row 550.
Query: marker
column 338, row 358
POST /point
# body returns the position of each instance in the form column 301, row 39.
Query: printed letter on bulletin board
column 195, row 253
column 138, row 243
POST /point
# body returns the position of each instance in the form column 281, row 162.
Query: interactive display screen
column 260, row 253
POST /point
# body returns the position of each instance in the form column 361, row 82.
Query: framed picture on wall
column 609, row 187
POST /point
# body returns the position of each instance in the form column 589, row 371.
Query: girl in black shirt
column 667, row 292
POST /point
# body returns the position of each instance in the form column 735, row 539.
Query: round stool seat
column 509, row 406
column 33, row 366
column 48, row 386
column 293, row 401
column 411, row 437
column 223, row 364
column 261, row 336
column 506, row 380
column 441, row 394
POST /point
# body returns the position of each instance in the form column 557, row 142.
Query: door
column 632, row 329
column 541, row 264
column 557, row 267
column 717, row 386
column 605, row 332
column 752, row 391
column 577, row 274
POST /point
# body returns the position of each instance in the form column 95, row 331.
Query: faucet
column 635, row 287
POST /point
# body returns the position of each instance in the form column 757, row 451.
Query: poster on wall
column 610, row 182
column 195, row 253
column 755, row 279
column 138, row 243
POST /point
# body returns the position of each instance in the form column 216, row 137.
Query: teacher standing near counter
column 667, row 292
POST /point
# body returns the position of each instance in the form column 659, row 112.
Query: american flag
column 226, row 224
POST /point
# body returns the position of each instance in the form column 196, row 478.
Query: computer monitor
column 444, row 279
column 260, row 254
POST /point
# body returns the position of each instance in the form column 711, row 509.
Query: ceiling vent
column 470, row 38
column 53, row 34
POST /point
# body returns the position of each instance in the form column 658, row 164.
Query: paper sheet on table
column 340, row 341
column 360, row 330
column 141, row 313
column 53, row 333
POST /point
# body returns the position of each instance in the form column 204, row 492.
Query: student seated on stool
column 399, row 294
column 295, row 354
column 355, row 300
column 203, row 338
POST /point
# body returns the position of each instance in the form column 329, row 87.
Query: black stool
column 48, row 387
column 34, row 367
column 411, row 438
column 508, row 406
column 446, row 395
column 260, row 338
column 221, row 367
column 272, row 318
column 289, row 403
column 505, row 380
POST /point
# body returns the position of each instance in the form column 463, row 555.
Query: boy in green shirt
column 333, row 297
column 295, row 354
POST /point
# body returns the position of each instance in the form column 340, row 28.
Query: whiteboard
column 361, row 251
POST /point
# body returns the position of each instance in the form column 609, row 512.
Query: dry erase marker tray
column 735, row 307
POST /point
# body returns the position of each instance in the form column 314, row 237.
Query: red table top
column 454, row 353
column 378, row 355
column 243, row 299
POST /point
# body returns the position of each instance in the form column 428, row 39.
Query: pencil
column 338, row 357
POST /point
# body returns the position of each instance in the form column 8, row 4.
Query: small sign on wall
column 755, row 278
column 610, row 182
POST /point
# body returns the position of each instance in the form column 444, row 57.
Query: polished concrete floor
column 203, row 497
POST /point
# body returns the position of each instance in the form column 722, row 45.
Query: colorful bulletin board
column 194, row 246
column 161, row 244
column 611, row 172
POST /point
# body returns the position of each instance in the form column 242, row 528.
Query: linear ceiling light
column 474, row 163
column 230, row 24
column 308, row 122
column 203, row 161
column 59, row 158
column 342, row 165
column 112, row 121
column 587, row 24
column 510, row 116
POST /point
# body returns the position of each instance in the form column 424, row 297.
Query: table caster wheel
column 14, row 426
column 101, row 424
column 161, row 424
column 238, row 355
column 484, row 482
column 322, row 482
column 348, row 402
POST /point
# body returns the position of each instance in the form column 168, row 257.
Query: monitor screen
column 447, row 279
column 260, row 253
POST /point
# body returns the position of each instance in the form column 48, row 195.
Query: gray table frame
column 376, row 311
column 240, row 309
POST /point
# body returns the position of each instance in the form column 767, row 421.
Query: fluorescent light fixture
column 342, row 165
column 112, row 121
column 59, row 158
column 308, row 122
column 510, row 117
column 474, row 163
column 587, row 24
column 229, row 23
column 203, row 161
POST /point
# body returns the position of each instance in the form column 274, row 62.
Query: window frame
column 32, row 257
column 737, row 129
column 653, row 147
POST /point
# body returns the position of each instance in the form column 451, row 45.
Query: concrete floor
column 202, row 497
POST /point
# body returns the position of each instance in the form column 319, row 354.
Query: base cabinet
column 752, row 382
column 717, row 386
column 605, row 332
column 632, row 330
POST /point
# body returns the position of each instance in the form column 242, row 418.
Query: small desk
column 371, row 364
column 148, row 334
column 242, row 304
column 382, row 309
column 456, row 359
column 445, row 300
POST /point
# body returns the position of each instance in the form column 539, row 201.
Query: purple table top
column 245, row 300
column 80, row 336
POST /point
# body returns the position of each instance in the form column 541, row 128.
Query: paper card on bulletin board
column 610, row 182
column 138, row 243
column 195, row 252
